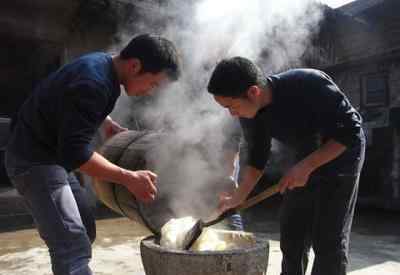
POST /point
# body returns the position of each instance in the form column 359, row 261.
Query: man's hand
column 297, row 176
column 141, row 183
column 111, row 128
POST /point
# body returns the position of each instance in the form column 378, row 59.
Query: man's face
column 238, row 107
column 143, row 84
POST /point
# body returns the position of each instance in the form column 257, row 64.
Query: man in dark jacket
column 52, row 136
column 304, row 109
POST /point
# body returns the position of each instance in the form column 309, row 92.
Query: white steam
column 274, row 34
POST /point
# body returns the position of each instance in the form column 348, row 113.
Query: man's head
column 240, row 86
column 146, row 62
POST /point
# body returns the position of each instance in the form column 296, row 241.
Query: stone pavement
column 375, row 247
column 12, row 210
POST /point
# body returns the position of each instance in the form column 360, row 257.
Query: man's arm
column 84, row 105
column 140, row 183
column 298, row 175
column 339, row 122
column 249, row 180
column 334, row 114
column 111, row 128
column 254, row 150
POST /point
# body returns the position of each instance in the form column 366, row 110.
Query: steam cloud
column 274, row 34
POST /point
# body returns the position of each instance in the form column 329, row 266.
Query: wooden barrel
column 115, row 196
column 158, row 260
column 138, row 150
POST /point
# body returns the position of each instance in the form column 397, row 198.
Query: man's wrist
column 120, row 176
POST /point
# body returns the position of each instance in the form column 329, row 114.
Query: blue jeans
column 61, row 212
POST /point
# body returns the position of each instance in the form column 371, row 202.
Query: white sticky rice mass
column 174, row 231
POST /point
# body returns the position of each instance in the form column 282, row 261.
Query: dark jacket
column 57, row 122
column 307, row 109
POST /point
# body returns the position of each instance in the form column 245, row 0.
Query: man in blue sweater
column 305, row 110
column 52, row 136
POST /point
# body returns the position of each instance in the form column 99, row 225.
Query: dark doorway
column 23, row 63
column 378, row 165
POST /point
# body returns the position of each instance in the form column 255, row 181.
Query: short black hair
column 156, row 54
column 232, row 77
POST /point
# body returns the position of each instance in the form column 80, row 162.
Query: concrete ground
column 375, row 246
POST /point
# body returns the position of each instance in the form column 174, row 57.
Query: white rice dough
column 175, row 230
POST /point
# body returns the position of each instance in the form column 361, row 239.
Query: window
column 375, row 91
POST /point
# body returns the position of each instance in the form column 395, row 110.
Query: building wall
column 362, row 47
column 380, row 182
column 385, row 20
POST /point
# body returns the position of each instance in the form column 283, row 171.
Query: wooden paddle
column 194, row 233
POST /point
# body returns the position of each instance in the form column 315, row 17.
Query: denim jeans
column 61, row 212
column 320, row 215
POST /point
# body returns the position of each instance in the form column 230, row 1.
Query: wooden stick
column 270, row 191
